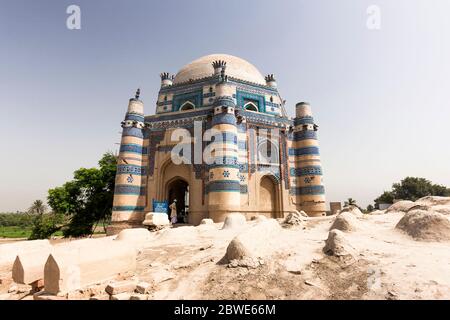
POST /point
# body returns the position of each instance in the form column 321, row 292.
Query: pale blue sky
column 381, row 98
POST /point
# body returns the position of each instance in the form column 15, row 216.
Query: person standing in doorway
column 173, row 211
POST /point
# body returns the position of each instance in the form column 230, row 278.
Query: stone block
column 120, row 296
column 120, row 287
column 28, row 267
column 156, row 219
column 75, row 268
column 9, row 251
column 142, row 287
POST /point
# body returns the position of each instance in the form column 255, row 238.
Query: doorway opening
column 268, row 196
column 179, row 189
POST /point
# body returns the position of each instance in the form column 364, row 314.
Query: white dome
column 236, row 68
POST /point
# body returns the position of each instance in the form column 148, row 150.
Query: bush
column 45, row 225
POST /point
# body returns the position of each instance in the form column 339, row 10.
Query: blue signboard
column 160, row 206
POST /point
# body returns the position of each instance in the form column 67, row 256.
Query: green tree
column 350, row 202
column 386, row 197
column 87, row 199
column 38, row 207
column 45, row 225
column 412, row 188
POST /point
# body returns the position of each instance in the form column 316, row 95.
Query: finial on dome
column 138, row 93
column 270, row 80
column 166, row 79
column 219, row 66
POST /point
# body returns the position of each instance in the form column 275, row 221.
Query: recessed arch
column 187, row 106
column 268, row 152
column 250, row 106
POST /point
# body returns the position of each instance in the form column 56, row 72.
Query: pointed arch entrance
column 269, row 196
column 178, row 189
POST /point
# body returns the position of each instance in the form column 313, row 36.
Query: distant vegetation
column 15, row 225
column 77, row 207
column 412, row 188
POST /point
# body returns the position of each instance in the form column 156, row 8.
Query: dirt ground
column 390, row 265
column 187, row 263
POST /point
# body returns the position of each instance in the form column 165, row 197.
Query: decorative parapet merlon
column 219, row 64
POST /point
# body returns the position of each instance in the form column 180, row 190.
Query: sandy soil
column 390, row 265
column 187, row 263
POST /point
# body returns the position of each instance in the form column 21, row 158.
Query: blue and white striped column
column 130, row 190
column 306, row 175
column 223, row 187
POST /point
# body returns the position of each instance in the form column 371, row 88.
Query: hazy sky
column 380, row 97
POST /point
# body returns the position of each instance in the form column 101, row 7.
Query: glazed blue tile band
column 304, row 151
column 130, row 190
column 305, row 135
column 223, row 186
column 133, row 148
column 224, row 118
column 134, row 117
column 310, row 190
column 130, row 169
column 132, row 132
column 306, row 171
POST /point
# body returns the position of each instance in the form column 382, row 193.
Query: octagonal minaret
column 309, row 191
column 223, row 187
column 130, row 187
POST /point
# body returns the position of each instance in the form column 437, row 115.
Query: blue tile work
column 226, row 160
column 304, row 135
column 209, row 81
column 223, row 186
column 243, row 167
column 224, row 118
column 134, row 117
column 262, row 118
column 133, row 148
column 243, row 97
column 304, row 151
column 306, row 171
column 132, row 132
column 243, row 188
column 194, row 97
column 303, row 120
column 131, row 190
column 164, row 103
column 130, row 169
column 128, row 208
column 309, row 190
column 273, row 170
column 221, row 165
column 209, row 94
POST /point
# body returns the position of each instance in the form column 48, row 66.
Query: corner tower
column 308, row 190
column 223, row 187
column 130, row 189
